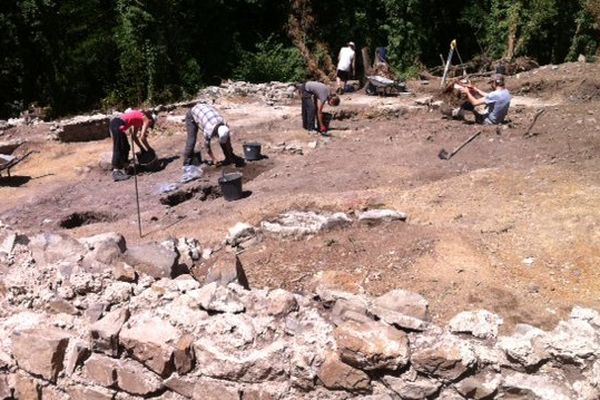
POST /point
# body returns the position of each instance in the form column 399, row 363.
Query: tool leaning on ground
column 444, row 155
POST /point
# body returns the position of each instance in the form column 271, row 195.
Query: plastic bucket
column 231, row 186
column 252, row 151
column 148, row 161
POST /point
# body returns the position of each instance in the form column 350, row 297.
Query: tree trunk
column 366, row 59
column 300, row 24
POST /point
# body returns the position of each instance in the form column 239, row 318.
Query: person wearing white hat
column 346, row 66
column 213, row 125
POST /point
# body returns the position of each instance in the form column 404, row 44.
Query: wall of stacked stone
column 95, row 318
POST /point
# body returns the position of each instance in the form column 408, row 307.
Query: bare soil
column 510, row 224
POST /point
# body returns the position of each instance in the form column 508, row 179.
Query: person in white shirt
column 345, row 66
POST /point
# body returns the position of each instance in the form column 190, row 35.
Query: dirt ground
column 509, row 224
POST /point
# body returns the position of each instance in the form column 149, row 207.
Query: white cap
column 223, row 132
column 351, row 44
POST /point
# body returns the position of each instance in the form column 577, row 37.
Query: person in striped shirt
column 206, row 118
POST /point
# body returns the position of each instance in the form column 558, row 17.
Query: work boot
column 120, row 175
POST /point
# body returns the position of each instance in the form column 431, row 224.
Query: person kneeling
column 496, row 102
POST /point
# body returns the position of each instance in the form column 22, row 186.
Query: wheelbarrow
column 380, row 85
column 9, row 161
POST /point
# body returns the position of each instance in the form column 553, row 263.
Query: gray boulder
column 152, row 259
column 481, row 324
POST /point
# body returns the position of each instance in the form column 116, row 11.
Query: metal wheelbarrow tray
column 8, row 161
column 380, row 85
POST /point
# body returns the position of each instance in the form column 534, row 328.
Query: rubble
column 67, row 333
column 270, row 93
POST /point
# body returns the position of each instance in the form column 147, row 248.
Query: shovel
column 443, row 154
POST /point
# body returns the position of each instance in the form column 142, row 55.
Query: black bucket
column 148, row 161
column 231, row 186
column 252, row 151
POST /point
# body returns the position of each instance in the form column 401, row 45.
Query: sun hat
column 223, row 132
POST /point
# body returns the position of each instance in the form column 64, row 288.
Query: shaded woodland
column 80, row 55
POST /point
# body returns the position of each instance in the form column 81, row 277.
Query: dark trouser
column 121, row 146
column 228, row 151
column 192, row 134
column 309, row 110
column 467, row 106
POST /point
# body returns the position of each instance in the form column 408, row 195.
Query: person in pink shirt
column 140, row 122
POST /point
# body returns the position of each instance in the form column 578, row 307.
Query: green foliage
column 271, row 62
column 405, row 32
column 585, row 40
column 74, row 55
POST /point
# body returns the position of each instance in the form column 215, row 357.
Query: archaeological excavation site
column 354, row 265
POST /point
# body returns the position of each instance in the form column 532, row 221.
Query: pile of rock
column 271, row 93
column 95, row 318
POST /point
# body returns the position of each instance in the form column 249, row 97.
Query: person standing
column 212, row 124
column 345, row 67
column 314, row 96
column 497, row 102
column 140, row 122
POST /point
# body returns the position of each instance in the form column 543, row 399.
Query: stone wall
column 95, row 318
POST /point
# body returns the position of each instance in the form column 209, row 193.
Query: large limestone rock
column 301, row 223
column 527, row 386
column 573, row 341
column 184, row 357
column 372, row 346
column 337, row 375
column 133, row 378
column 225, row 269
column 127, row 375
column 40, row 351
column 82, row 392
column 239, row 234
column 443, row 358
column 526, row 346
column 349, row 310
column 104, row 239
column 481, row 324
column 106, row 248
column 151, row 342
column 5, row 390
column 202, row 388
column 152, row 259
column 48, row 248
column 372, row 216
column 252, row 366
column 415, row 389
column 479, row 387
column 100, row 370
column 403, row 309
column 104, row 333
column 216, row 298
column 25, row 387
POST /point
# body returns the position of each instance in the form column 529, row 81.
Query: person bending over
column 140, row 122
column 314, row 96
column 206, row 118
